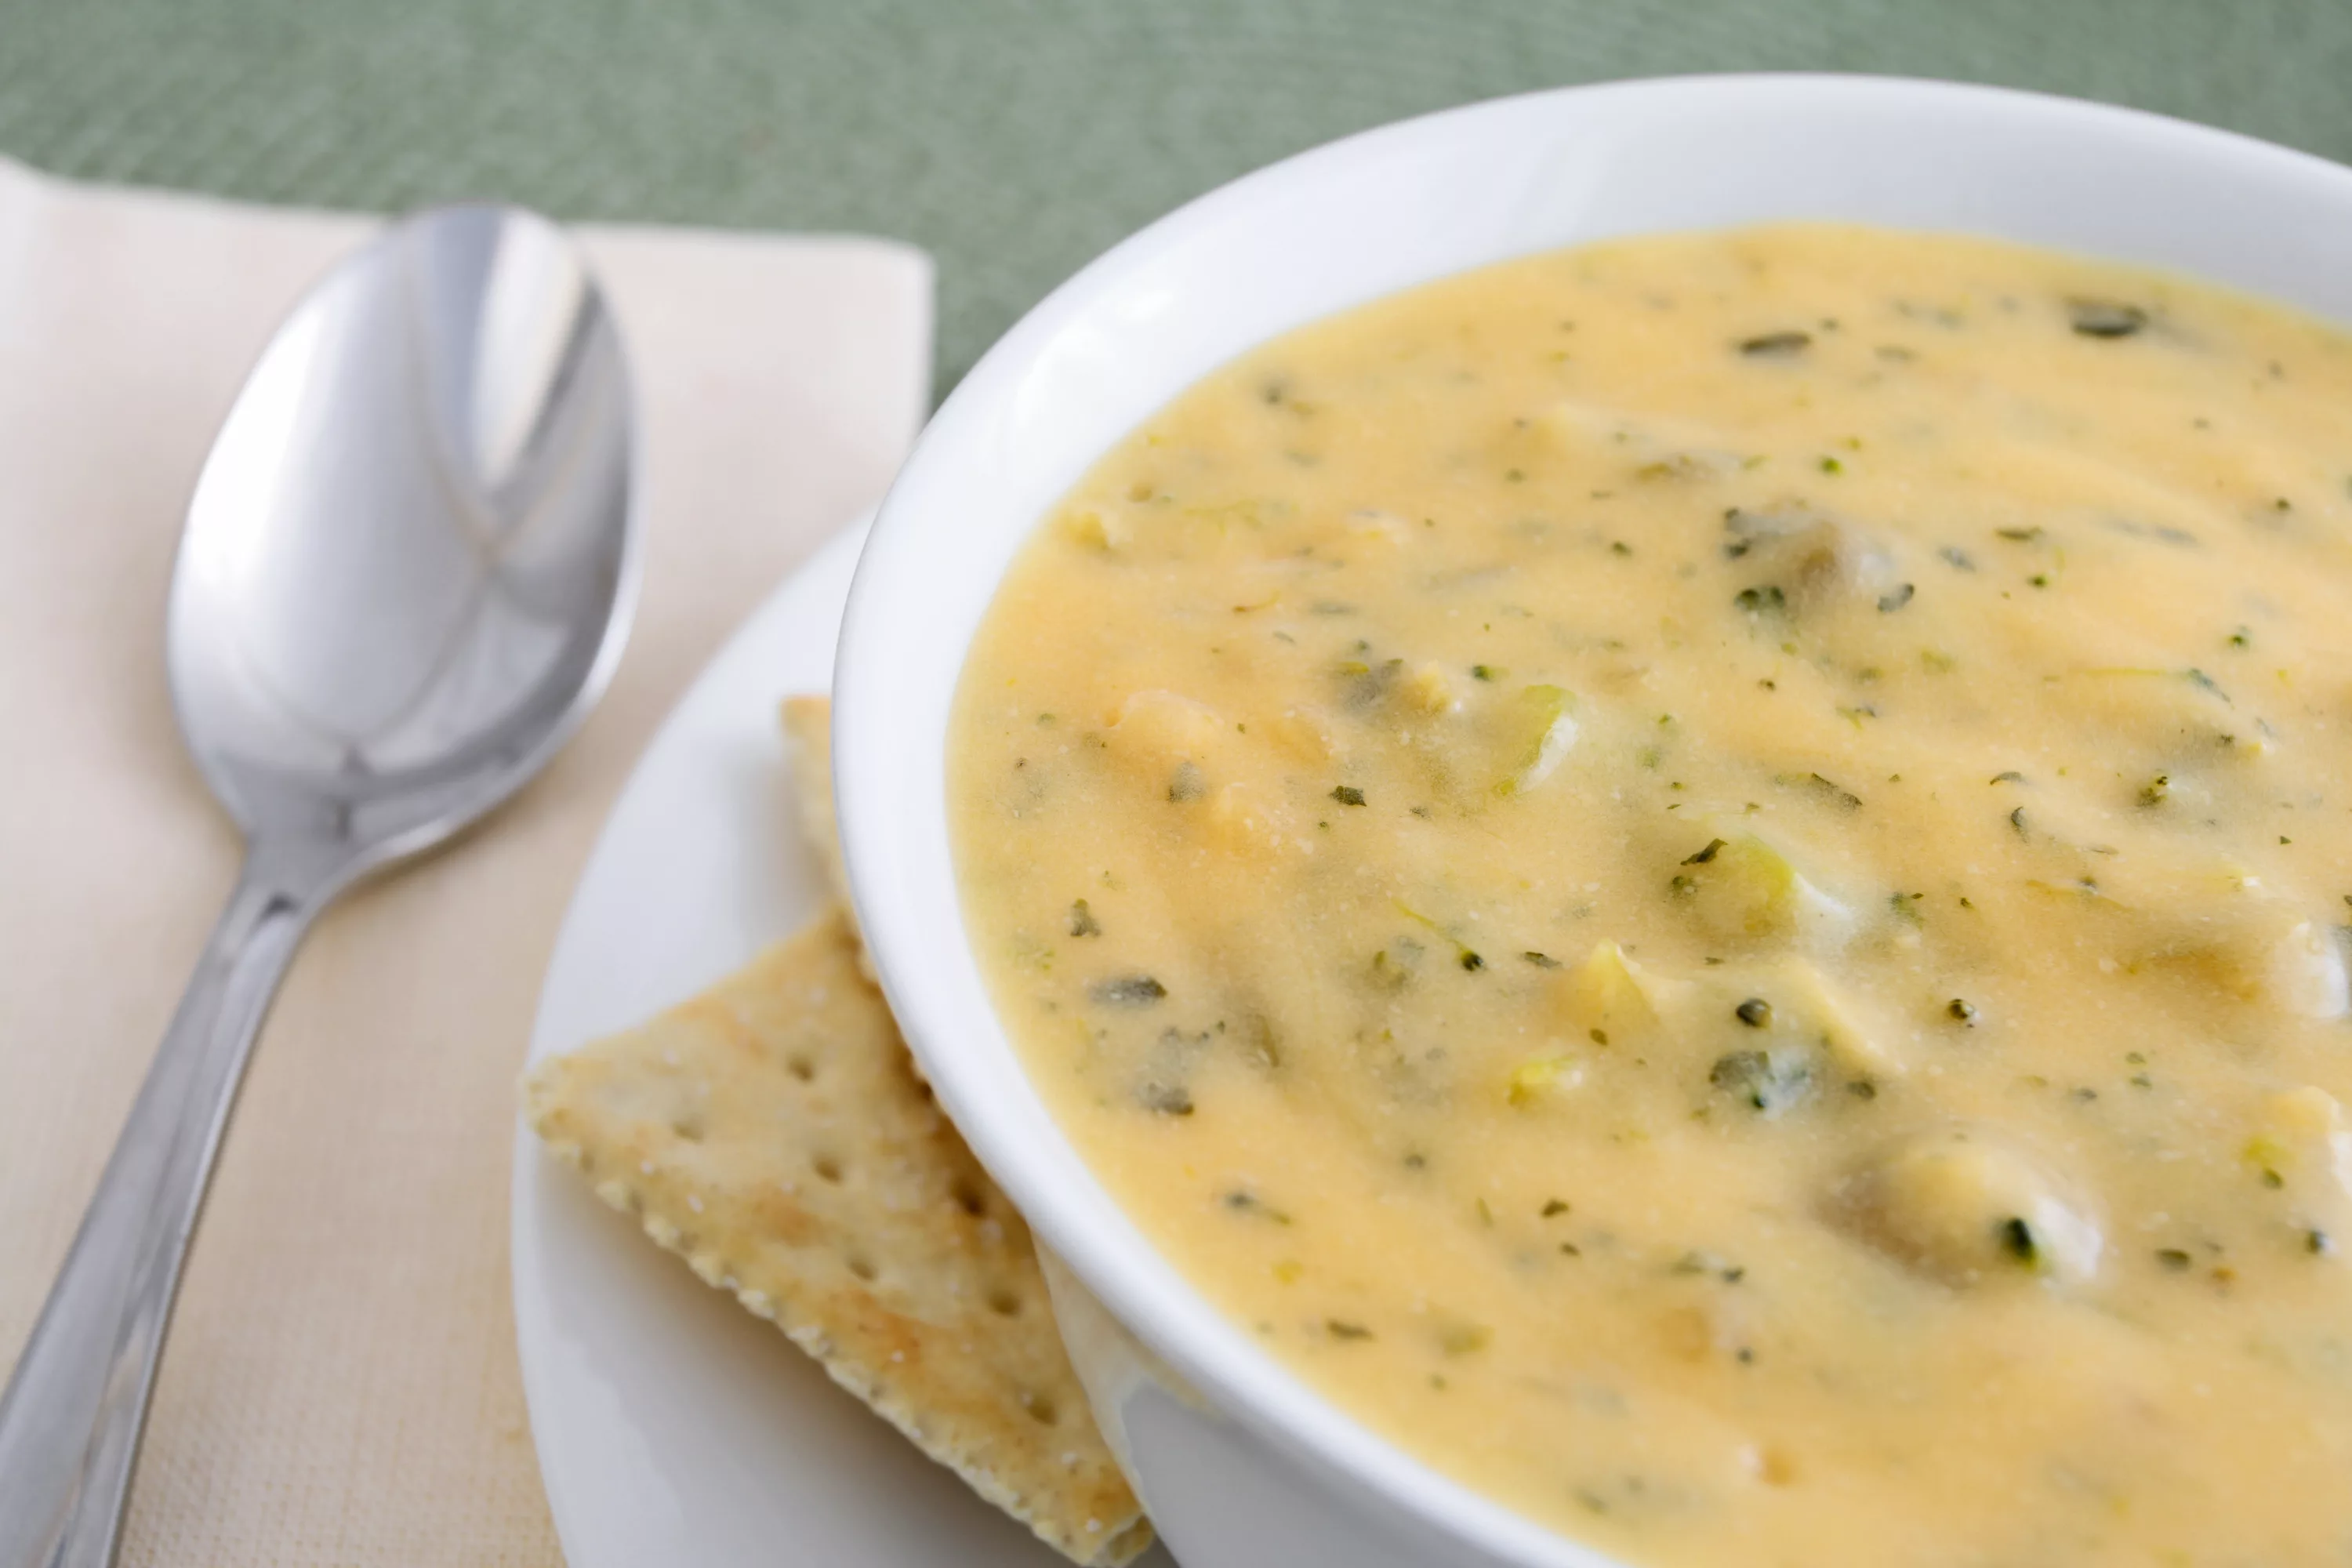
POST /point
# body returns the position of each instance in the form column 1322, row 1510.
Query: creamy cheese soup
column 1705, row 879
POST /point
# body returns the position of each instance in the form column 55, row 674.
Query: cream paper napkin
column 340, row 1386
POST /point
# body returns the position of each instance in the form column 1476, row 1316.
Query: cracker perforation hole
column 967, row 1195
column 827, row 1168
column 1004, row 1301
column 800, row 1067
column 862, row 1267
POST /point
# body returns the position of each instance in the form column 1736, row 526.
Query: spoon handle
column 70, row 1420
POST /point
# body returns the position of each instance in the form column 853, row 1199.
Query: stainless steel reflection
column 406, row 575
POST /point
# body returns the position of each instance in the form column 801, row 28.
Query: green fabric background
column 1012, row 138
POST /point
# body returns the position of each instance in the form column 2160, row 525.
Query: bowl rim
column 1082, row 1223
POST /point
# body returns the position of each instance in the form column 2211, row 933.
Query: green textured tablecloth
column 1012, row 138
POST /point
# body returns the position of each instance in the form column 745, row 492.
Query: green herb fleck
column 2205, row 683
column 1776, row 345
column 1242, row 1201
column 2105, row 318
column 1837, row 795
column 1167, row 1099
column 1699, row 1261
column 1127, row 991
column 1083, row 922
column 1756, row 1013
column 1347, row 794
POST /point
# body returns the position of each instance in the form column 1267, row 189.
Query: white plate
column 674, row 1427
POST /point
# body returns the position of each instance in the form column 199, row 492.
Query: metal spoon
column 406, row 576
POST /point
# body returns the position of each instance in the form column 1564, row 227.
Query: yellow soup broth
column 1704, row 878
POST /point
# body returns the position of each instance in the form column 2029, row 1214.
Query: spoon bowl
column 406, row 577
column 407, row 562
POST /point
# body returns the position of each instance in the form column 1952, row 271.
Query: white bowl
column 1257, row 1470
